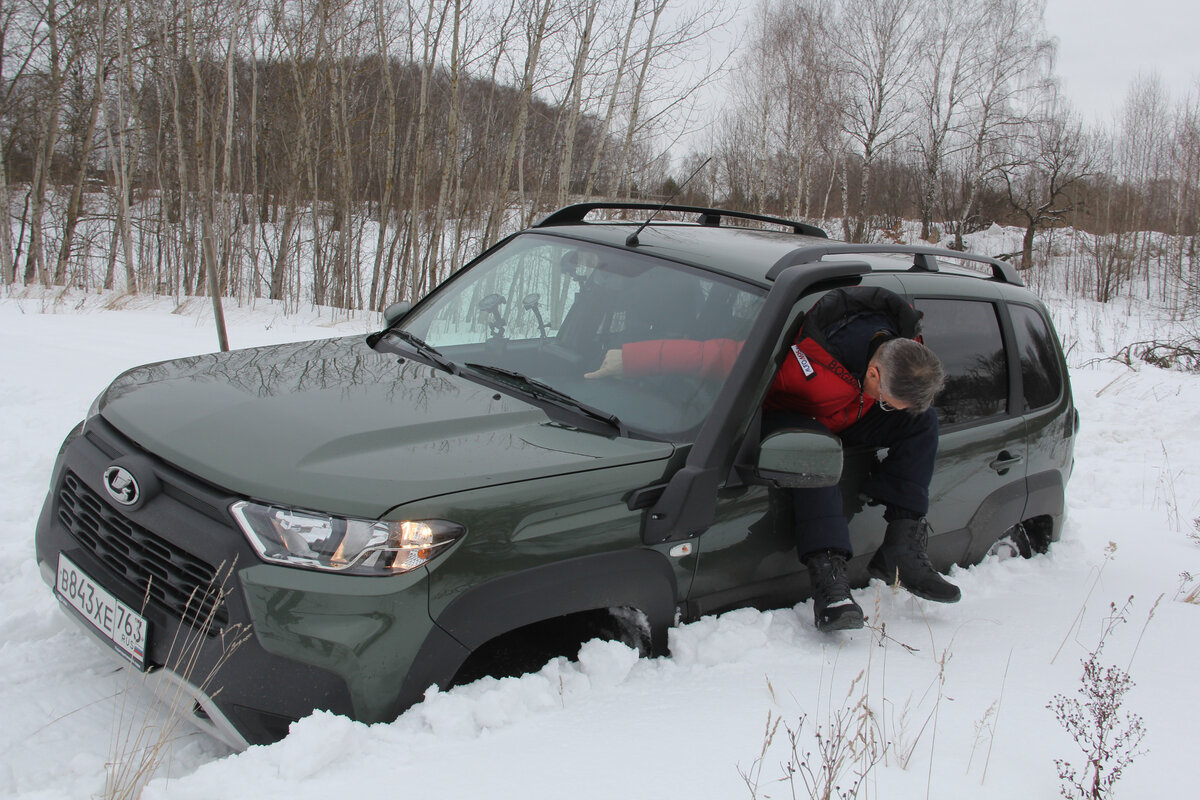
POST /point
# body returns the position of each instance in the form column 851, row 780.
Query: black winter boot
column 833, row 607
column 902, row 558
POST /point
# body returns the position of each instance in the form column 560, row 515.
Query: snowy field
column 956, row 696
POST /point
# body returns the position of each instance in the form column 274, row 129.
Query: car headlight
column 343, row 544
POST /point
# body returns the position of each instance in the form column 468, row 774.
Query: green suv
column 342, row 524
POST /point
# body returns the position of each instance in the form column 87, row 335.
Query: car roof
column 741, row 252
column 754, row 254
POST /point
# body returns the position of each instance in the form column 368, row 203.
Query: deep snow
column 959, row 693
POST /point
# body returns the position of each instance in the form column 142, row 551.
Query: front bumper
column 306, row 640
column 182, row 698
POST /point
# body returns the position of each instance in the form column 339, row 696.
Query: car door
column 747, row 557
column 978, row 487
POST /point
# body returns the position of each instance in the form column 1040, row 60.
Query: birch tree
column 450, row 166
column 810, row 94
column 121, row 163
column 95, row 36
column 621, row 185
column 949, row 56
column 1015, row 55
column 212, row 225
column 614, row 95
column 876, row 44
column 57, row 63
column 536, row 16
column 385, row 36
column 10, row 29
column 1186, row 222
column 574, row 102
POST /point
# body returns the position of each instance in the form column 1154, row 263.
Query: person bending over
column 858, row 369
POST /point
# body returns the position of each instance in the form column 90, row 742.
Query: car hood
column 334, row 426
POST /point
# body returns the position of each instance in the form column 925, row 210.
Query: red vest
column 810, row 380
column 813, row 382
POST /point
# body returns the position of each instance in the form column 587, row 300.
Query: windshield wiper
column 546, row 392
column 423, row 349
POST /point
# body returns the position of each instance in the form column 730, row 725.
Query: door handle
column 1005, row 461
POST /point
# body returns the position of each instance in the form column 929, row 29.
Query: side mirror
column 799, row 459
column 393, row 313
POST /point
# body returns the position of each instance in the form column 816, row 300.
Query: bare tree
column 1015, row 57
column 1186, row 222
column 876, row 44
column 660, row 98
column 386, row 107
column 1143, row 154
column 213, row 230
column 431, row 122
column 95, row 33
column 614, row 94
column 747, row 128
column 9, row 29
column 121, row 164
column 621, row 184
column 1049, row 160
column 450, row 145
column 812, row 93
column 7, row 265
column 586, row 20
column 536, row 21
column 58, row 63
column 950, row 60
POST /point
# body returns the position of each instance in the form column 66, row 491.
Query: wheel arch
column 641, row 579
column 1047, row 497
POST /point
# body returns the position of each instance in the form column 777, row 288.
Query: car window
column 1041, row 378
column 966, row 336
column 550, row 308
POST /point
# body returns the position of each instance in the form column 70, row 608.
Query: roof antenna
column 632, row 239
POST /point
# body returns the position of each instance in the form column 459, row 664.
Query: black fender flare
column 641, row 579
column 998, row 512
column 1047, row 496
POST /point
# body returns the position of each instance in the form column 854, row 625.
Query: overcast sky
column 1104, row 44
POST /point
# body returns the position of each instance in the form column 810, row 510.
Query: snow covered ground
column 958, row 694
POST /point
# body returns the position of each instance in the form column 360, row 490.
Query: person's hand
column 611, row 367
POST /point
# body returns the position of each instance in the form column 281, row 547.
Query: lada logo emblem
column 121, row 485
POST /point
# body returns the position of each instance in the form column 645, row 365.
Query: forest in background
column 349, row 149
column 353, row 152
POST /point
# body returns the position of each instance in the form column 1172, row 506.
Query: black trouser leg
column 901, row 482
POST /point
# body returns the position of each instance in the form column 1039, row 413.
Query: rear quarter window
column 966, row 336
column 1041, row 373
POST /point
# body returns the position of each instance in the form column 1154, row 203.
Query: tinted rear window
column 966, row 336
column 1041, row 377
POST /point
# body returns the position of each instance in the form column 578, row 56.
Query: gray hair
column 910, row 373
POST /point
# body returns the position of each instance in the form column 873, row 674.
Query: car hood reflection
column 334, row 426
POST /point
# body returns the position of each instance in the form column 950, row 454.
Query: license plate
column 116, row 622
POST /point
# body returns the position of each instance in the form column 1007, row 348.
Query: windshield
column 549, row 309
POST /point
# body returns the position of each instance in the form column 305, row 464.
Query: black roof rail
column 924, row 258
column 708, row 217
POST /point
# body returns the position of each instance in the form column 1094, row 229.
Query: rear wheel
column 1015, row 542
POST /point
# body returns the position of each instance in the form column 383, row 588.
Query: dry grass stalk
column 141, row 741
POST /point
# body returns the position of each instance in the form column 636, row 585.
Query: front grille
column 167, row 576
